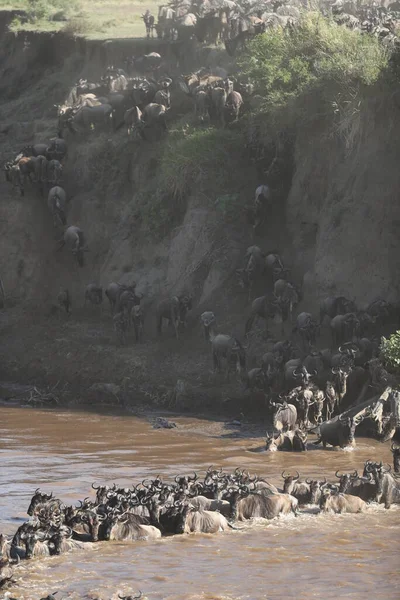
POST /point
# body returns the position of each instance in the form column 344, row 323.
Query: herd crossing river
column 311, row 556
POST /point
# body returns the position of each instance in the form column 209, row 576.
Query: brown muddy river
column 311, row 556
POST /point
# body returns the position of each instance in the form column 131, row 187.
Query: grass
column 95, row 20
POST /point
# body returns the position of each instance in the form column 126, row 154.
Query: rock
column 161, row 423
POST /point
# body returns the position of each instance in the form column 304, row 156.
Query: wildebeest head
column 396, row 457
column 289, row 481
column 303, row 374
column 38, row 498
column 348, row 425
column 88, row 521
column 370, row 466
column 30, row 538
column 316, row 488
column 208, row 320
column 345, row 480
column 185, row 302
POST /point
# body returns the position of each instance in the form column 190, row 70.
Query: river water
column 311, row 556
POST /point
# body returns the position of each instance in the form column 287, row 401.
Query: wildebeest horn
column 338, row 476
column 298, row 475
column 95, row 488
column 323, row 482
column 309, row 481
column 393, row 447
column 193, row 478
column 388, row 469
column 355, row 474
column 335, row 370
column 295, row 374
column 283, row 475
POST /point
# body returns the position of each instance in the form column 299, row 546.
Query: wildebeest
column 93, row 117
column 132, row 119
column 274, row 267
column 54, row 172
column 363, row 487
column 307, row 328
column 209, row 321
column 335, row 305
column 396, row 457
column 261, row 506
column 6, row 572
column 255, row 266
column 264, row 307
column 193, row 520
column 74, row 238
column 14, row 176
column 388, row 488
column 137, row 321
column 64, row 301
column 56, row 201
column 93, row 294
column 127, row 527
column 229, row 348
column 57, row 149
column 218, row 101
column 153, row 115
column 287, row 296
column 299, row 489
column 340, row 503
column 174, row 310
column 291, row 441
column 343, row 328
column 233, row 104
column 212, row 504
column 114, row 291
column 261, row 200
column 339, row 431
column 121, row 325
column 285, row 416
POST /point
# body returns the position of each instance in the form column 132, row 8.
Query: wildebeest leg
column 215, row 361
column 61, row 245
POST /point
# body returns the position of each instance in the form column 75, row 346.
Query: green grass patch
column 199, row 155
column 98, row 19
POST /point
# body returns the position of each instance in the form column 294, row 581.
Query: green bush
column 390, row 351
column 51, row 10
column 318, row 53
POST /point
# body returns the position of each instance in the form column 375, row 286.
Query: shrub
column 390, row 351
column 318, row 53
column 78, row 26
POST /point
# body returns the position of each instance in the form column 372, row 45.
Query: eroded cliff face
column 338, row 228
column 343, row 210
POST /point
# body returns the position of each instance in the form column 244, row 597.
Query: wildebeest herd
column 218, row 502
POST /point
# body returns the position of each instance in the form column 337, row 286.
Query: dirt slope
column 338, row 228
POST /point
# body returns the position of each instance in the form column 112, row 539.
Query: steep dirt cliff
column 338, row 229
